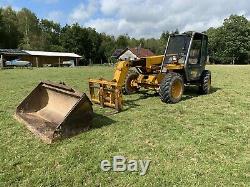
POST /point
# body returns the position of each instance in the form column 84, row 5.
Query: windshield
column 178, row 44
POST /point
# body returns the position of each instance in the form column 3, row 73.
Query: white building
column 134, row 53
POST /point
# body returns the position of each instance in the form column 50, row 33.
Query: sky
column 137, row 18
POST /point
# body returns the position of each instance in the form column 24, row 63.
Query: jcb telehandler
column 183, row 64
column 54, row 111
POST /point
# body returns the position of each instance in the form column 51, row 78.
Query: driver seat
column 194, row 56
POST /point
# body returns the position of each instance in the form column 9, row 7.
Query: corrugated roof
column 55, row 54
column 12, row 52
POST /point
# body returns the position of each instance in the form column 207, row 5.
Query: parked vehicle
column 18, row 63
column 69, row 63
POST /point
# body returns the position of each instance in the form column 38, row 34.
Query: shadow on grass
column 143, row 95
column 100, row 121
column 193, row 91
column 189, row 93
column 97, row 122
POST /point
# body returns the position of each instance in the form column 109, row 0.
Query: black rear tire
column 129, row 88
column 205, row 82
column 171, row 88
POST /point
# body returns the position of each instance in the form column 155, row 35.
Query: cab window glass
column 195, row 51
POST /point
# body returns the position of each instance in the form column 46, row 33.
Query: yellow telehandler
column 54, row 111
column 182, row 64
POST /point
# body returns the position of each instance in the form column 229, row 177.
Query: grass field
column 203, row 140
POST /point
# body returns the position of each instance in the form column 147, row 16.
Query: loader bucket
column 55, row 111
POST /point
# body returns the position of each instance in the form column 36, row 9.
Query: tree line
column 22, row 29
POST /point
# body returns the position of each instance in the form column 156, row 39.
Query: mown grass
column 203, row 140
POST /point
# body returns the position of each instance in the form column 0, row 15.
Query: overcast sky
column 137, row 18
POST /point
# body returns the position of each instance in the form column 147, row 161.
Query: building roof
column 138, row 51
column 141, row 52
column 37, row 53
column 117, row 53
column 12, row 52
column 55, row 54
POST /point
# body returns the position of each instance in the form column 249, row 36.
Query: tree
column 2, row 34
column 122, row 41
column 237, row 38
column 230, row 43
column 71, row 38
column 50, row 35
column 28, row 25
column 107, row 47
column 153, row 44
column 84, row 41
column 163, row 41
column 94, row 41
column 216, row 44
column 133, row 42
column 11, row 35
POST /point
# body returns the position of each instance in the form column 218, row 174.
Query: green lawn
column 203, row 140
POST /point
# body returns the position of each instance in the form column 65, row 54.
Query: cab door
column 197, row 57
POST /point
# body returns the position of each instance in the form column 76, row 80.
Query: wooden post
column 77, row 62
column 59, row 61
column 1, row 62
column 37, row 62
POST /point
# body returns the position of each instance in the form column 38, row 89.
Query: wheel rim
column 176, row 91
column 209, row 85
column 130, row 84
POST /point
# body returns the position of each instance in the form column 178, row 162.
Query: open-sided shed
column 38, row 58
column 41, row 58
column 10, row 54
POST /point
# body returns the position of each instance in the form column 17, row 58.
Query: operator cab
column 177, row 48
column 187, row 50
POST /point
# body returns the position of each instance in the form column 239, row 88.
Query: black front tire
column 205, row 82
column 171, row 88
column 128, row 87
